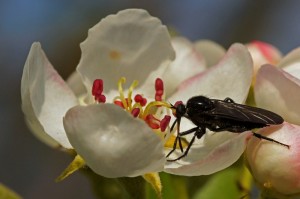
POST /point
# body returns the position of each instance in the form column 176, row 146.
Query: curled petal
column 275, row 167
column 45, row 98
column 278, row 91
column 231, row 77
column 211, row 51
column 130, row 44
column 215, row 152
column 290, row 59
column 112, row 142
column 293, row 69
column 188, row 62
column 291, row 63
column 263, row 53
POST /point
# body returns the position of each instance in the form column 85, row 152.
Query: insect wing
column 244, row 113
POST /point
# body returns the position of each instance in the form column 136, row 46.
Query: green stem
column 107, row 188
column 135, row 187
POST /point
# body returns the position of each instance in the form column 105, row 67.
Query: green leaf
column 6, row 193
column 76, row 164
column 222, row 185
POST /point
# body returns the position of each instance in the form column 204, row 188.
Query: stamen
column 152, row 121
column 159, row 89
column 155, row 103
column 119, row 103
column 164, row 123
column 140, row 99
column 97, row 91
column 135, row 112
column 130, row 90
column 120, row 82
column 137, row 105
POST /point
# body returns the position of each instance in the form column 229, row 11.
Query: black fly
column 220, row 115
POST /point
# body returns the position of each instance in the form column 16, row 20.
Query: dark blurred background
column 28, row 166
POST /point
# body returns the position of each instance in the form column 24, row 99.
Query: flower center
column 151, row 111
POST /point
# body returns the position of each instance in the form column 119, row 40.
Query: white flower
column 125, row 137
column 274, row 167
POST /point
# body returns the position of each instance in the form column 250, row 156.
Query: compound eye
column 180, row 110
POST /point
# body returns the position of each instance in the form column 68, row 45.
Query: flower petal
column 74, row 81
column 212, row 52
column 275, row 167
column 214, row 153
column 129, row 44
column 112, row 142
column 291, row 63
column 278, row 91
column 230, row 78
column 45, row 98
column 188, row 62
column 291, row 58
column 293, row 69
column 263, row 53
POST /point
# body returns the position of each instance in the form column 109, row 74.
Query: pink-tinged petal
column 293, row 69
column 291, row 58
column 211, row 51
column 45, row 98
column 215, row 152
column 291, row 63
column 188, row 62
column 263, row 53
column 231, row 77
column 130, row 44
column 276, row 168
column 74, row 81
column 278, row 91
column 112, row 142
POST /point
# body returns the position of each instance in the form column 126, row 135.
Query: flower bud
column 276, row 168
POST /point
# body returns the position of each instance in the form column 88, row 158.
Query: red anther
column 119, row 103
column 138, row 98
column 159, row 84
column 135, row 112
column 164, row 123
column 97, row 87
column 159, row 92
column 152, row 121
column 158, row 98
column 97, row 91
column 100, row 98
column 143, row 102
column 159, row 89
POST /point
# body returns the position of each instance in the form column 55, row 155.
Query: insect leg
column 269, row 139
column 179, row 139
column 199, row 133
column 173, row 125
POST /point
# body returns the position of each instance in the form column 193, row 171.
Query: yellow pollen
column 115, row 55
